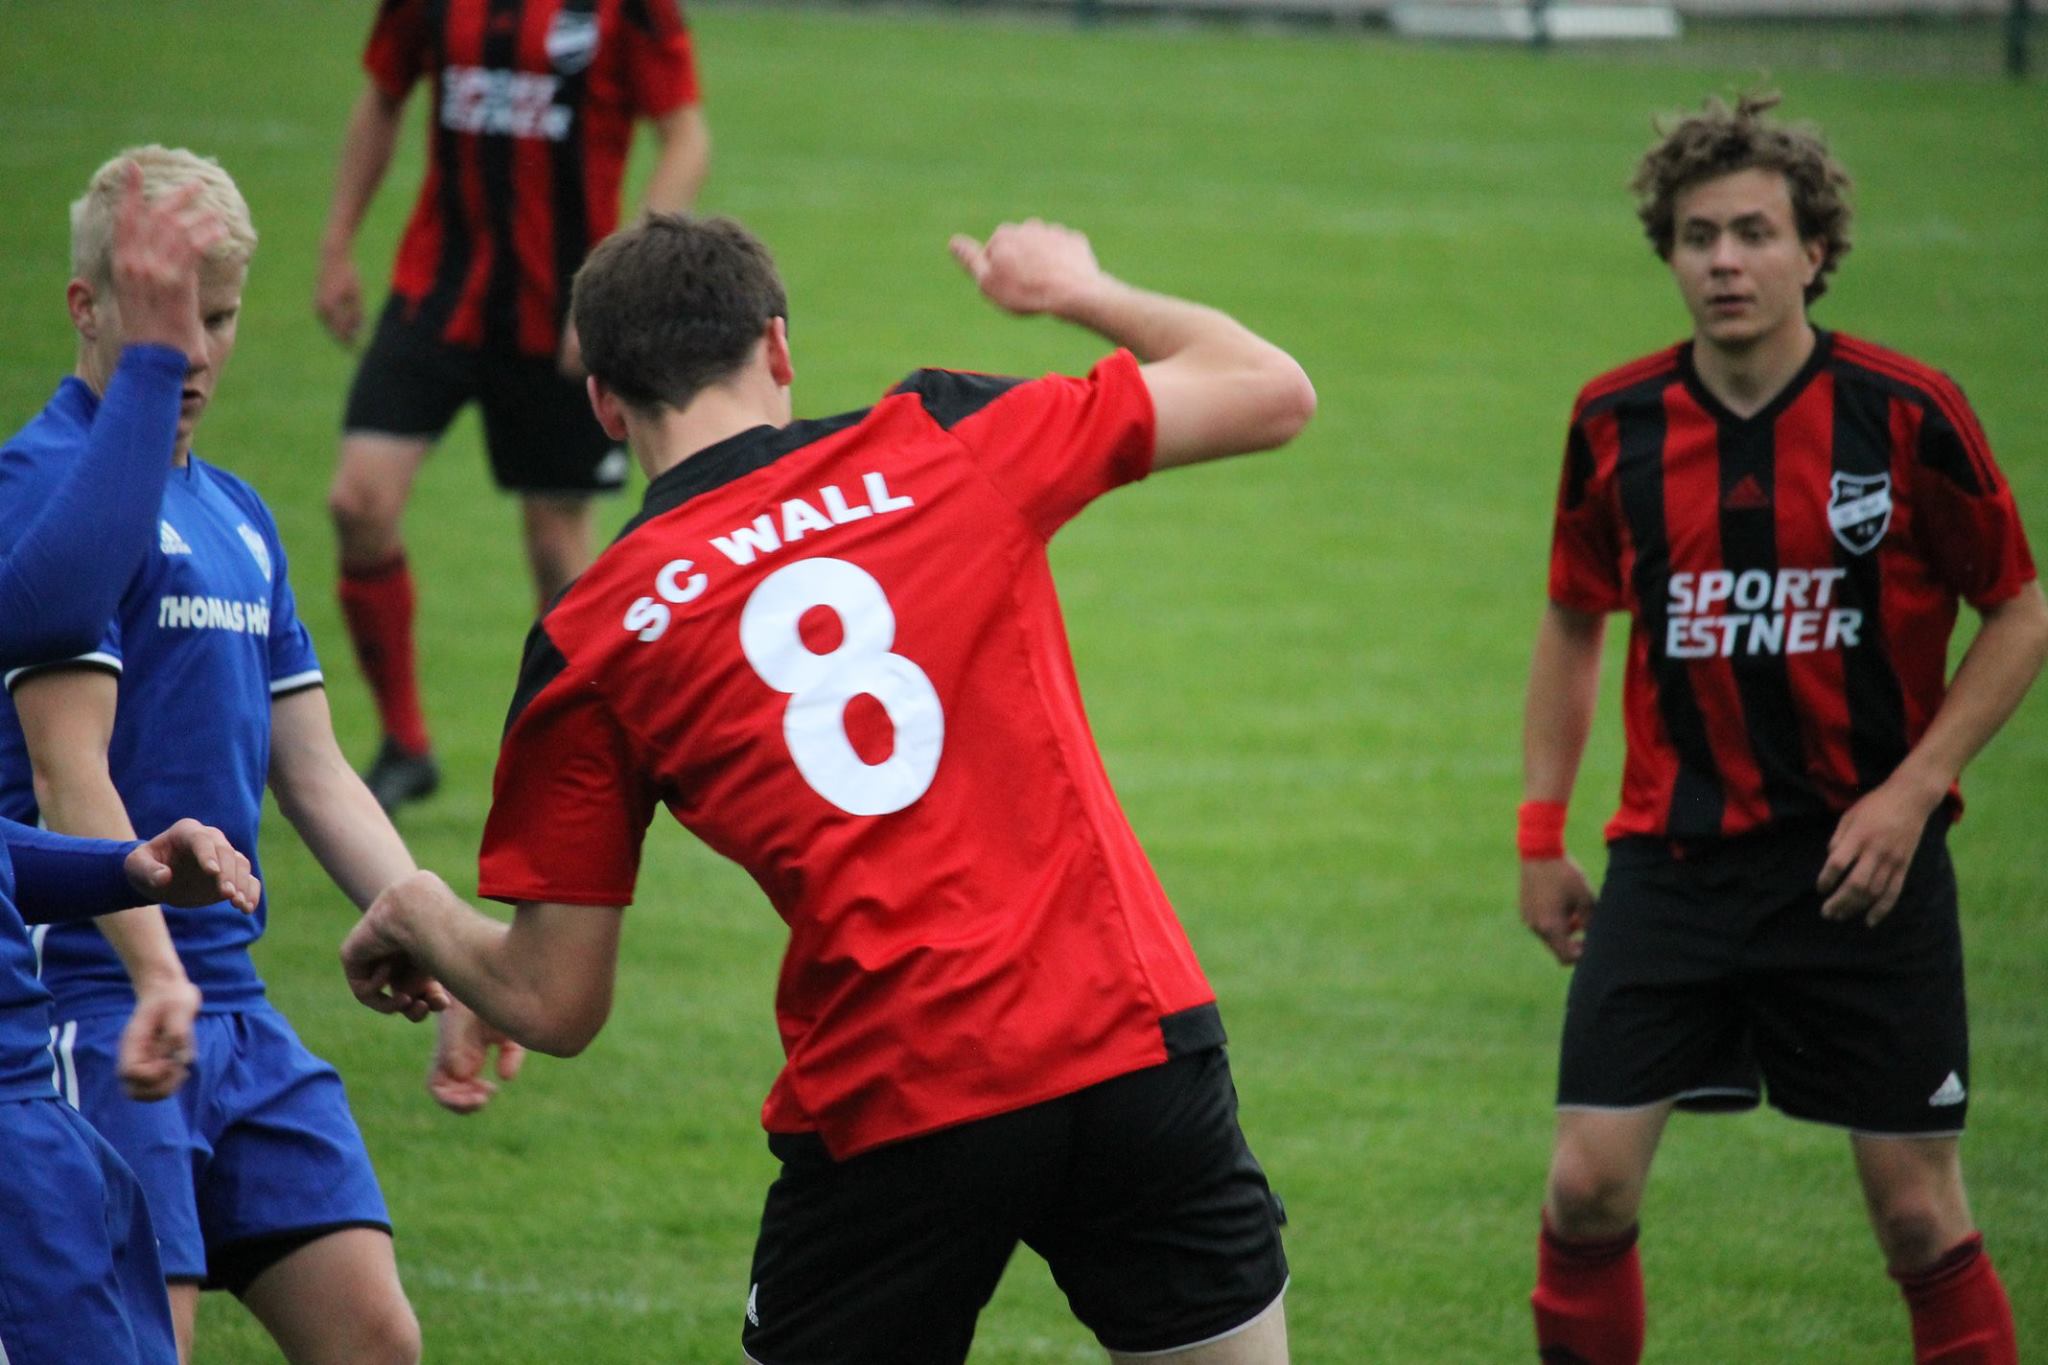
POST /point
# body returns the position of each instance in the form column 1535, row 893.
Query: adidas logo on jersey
column 1951, row 1092
column 169, row 541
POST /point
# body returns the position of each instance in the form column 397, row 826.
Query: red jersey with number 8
column 833, row 651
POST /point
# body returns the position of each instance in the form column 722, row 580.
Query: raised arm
column 63, row 575
column 366, row 148
column 1217, row 387
column 1564, row 684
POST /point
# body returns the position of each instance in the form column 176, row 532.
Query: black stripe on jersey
column 952, row 396
column 438, row 304
column 1877, row 702
column 1696, row 800
column 494, row 163
column 1749, row 541
column 733, row 458
column 571, row 216
column 1579, row 467
column 540, row 665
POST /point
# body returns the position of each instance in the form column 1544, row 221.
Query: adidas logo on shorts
column 1951, row 1092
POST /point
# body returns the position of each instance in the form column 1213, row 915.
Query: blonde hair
column 163, row 169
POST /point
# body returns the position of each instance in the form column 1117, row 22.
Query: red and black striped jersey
column 532, row 119
column 1792, row 577
column 834, row 652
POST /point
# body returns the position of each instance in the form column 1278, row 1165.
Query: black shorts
column 1711, row 979
column 538, row 426
column 1140, row 1193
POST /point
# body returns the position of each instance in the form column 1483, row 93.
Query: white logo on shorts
column 1951, row 1092
column 753, row 1302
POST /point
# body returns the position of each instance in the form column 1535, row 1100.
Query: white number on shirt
column 820, row 686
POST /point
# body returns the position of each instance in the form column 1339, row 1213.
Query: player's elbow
column 1289, row 399
column 564, row 1028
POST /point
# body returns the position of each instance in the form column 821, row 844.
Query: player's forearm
column 63, row 578
column 1156, row 327
column 60, row 877
column 511, row 976
column 366, row 149
column 344, row 828
column 1997, row 669
column 80, row 799
column 1557, row 717
column 684, row 161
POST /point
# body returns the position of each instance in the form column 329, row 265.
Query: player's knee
column 1589, row 1201
column 1914, row 1228
column 388, row 1338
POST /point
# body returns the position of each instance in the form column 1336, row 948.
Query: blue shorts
column 254, row 1157
column 80, row 1283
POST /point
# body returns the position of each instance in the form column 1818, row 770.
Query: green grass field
column 1305, row 669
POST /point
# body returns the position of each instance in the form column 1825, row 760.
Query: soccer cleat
column 397, row 777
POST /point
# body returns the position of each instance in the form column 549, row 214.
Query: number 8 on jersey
column 822, row 685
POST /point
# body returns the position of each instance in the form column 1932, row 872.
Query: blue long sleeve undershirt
column 62, row 578
column 59, row 877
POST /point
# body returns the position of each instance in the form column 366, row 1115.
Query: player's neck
column 1746, row 377
column 664, row 439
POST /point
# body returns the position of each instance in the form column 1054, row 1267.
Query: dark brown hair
column 1720, row 141
column 672, row 305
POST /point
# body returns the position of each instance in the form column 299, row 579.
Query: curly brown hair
column 1720, row 141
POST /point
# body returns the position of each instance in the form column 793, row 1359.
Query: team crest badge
column 257, row 549
column 1860, row 510
column 572, row 42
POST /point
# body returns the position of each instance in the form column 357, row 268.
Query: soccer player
column 1789, row 517
column 534, row 106
column 204, row 686
column 832, row 649
column 81, row 1279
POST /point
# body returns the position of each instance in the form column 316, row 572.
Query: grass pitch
column 1305, row 669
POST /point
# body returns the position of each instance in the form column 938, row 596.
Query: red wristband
column 1539, row 829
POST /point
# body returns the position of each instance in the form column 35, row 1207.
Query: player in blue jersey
column 203, row 689
column 80, row 1279
column 79, row 1274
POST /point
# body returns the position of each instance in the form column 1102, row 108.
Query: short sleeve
column 1971, row 531
column 294, row 665
column 398, row 52
column 1585, row 548
column 1050, row 445
column 106, row 656
column 661, row 68
column 569, row 806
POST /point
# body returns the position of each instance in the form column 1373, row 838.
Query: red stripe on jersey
column 1628, row 376
column 1939, row 389
column 1692, row 522
column 1650, row 775
column 1919, row 612
column 1805, row 438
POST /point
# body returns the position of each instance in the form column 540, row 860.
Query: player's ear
column 610, row 410
column 780, row 367
column 83, row 305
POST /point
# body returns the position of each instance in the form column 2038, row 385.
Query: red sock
column 1588, row 1301
column 1960, row 1312
column 377, row 604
